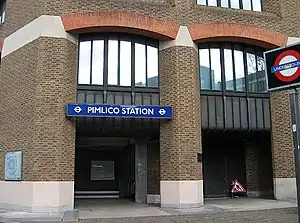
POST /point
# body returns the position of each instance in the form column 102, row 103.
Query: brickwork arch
column 238, row 33
column 120, row 22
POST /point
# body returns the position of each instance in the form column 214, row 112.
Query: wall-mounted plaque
column 102, row 170
column 13, row 166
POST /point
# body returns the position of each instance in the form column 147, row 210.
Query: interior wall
column 84, row 157
column 259, row 168
column 153, row 166
column 222, row 163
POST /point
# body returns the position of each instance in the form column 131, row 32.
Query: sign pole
column 296, row 140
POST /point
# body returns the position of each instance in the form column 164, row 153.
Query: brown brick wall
column 180, row 139
column 290, row 13
column 278, row 14
column 282, row 141
column 252, row 168
column 153, row 169
column 20, row 13
column 259, row 167
column 37, row 81
column 26, row 76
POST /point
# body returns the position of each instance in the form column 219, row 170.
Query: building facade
column 204, row 58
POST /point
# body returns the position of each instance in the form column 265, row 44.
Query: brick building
column 204, row 58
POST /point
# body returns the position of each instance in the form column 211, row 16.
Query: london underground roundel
column 283, row 67
column 287, row 66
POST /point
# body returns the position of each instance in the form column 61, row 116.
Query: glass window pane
column 152, row 66
column 201, row 2
column 251, row 68
column 239, row 70
column 97, row 65
column 247, row 4
column 140, row 65
column 256, row 5
column 84, row 69
column 204, row 69
column 228, row 69
column 261, row 76
column 216, row 69
column 212, row 2
column 235, row 4
column 125, row 63
column 3, row 11
column 113, row 62
column 224, row 3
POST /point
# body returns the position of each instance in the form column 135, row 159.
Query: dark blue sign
column 126, row 111
column 286, row 66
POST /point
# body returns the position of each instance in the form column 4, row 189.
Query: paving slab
column 124, row 209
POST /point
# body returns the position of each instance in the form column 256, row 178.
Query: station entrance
column 114, row 158
column 105, row 171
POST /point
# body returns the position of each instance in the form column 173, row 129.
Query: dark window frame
column 120, row 37
column 229, row 5
column 2, row 11
column 258, row 52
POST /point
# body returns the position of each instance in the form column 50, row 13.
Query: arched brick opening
column 120, row 22
column 237, row 33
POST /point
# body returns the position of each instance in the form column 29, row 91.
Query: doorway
column 105, row 172
column 223, row 161
column 242, row 156
column 221, row 166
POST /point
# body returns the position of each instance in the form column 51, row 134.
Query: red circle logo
column 288, row 74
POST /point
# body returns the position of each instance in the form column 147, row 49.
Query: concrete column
column 141, row 171
column 181, row 183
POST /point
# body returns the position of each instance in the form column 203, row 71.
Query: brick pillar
column 39, row 80
column 180, row 139
column 282, row 147
column 282, row 141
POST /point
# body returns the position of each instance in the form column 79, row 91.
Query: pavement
column 216, row 210
column 272, row 216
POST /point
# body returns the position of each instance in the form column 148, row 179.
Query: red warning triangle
column 237, row 187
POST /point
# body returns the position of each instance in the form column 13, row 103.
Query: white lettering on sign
column 90, row 109
column 123, row 111
column 137, row 111
column 97, row 110
column 103, row 110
